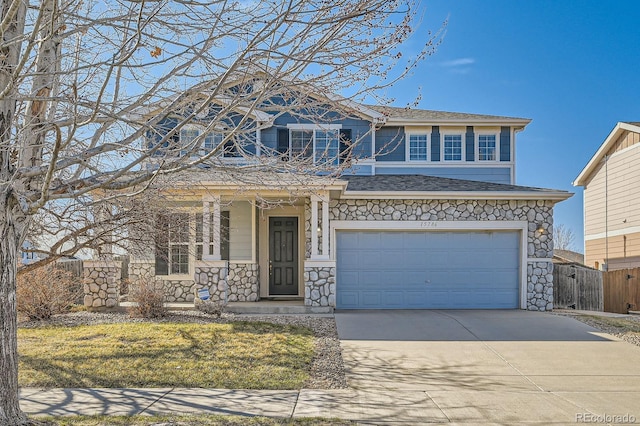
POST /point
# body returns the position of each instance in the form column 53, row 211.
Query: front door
column 283, row 256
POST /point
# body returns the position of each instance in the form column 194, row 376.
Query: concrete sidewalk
column 411, row 407
column 379, row 406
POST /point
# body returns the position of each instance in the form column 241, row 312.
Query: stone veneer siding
column 101, row 284
column 320, row 286
column 237, row 283
column 537, row 213
column 213, row 278
column 178, row 290
column 243, row 282
column 141, row 270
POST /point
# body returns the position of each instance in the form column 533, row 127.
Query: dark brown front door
column 283, row 256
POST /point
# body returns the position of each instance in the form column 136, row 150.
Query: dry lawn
column 237, row 355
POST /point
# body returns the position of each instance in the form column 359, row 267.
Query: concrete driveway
column 485, row 367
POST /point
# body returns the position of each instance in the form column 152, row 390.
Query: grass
column 238, row 355
column 624, row 325
column 186, row 420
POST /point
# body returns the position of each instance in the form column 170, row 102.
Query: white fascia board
column 142, row 112
column 306, row 187
column 582, row 178
column 375, row 116
column 441, row 195
column 445, row 164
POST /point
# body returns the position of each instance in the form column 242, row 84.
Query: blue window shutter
column 283, row 143
column 470, row 144
column 345, row 145
column 505, row 143
column 435, row 143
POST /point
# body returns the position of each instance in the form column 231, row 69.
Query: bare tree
column 85, row 87
column 563, row 238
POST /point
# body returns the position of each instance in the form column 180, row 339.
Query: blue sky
column 573, row 67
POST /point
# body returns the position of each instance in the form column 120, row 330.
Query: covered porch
column 245, row 245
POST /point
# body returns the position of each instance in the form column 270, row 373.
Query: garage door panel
column 407, row 269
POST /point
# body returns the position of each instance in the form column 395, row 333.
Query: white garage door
column 427, row 270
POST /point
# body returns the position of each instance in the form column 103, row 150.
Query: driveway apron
column 488, row 367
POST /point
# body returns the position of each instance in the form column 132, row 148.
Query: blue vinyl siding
column 483, row 174
column 359, row 169
column 505, row 143
column 359, row 135
column 390, row 144
column 470, row 144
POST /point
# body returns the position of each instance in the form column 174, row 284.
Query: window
column 327, row 147
column 172, row 244
column 452, row 147
column 321, row 145
column 301, row 144
column 487, row 148
column 190, row 133
column 418, row 147
column 224, row 235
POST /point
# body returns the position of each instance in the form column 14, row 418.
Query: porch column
column 211, row 237
column 324, row 199
column 206, row 229
column 325, row 228
column 314, row 228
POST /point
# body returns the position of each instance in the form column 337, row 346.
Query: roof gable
column 585, row 175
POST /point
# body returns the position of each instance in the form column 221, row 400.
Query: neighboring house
column 568, row 256
column 611, row 181
column 27, row 253
column 425, row 215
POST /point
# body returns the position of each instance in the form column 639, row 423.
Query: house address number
column 429, row 224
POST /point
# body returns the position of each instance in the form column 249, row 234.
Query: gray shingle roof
column 633, row 123
column 431, row 115
column 421, row 183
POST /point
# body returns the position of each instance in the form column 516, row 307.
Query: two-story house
column 611, row 181
column 425, row 213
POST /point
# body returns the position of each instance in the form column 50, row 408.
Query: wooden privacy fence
column 72, row 265
column 577, row 287
column 622, row 290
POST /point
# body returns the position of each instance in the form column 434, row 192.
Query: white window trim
column 477, row 145
column 313, row 128
column 462, row 147
column 203, row 130
column 191, row 211
column 408, row 146
column 437, row 226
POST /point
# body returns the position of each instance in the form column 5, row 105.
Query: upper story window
column 418, row 147
column 320, row 143
column 487, row 148
column 452, row 148
column 189, row 135
column 327, row 147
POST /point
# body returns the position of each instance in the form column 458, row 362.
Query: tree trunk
column 11, row 235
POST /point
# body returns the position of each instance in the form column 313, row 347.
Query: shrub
column 148, row 298
column 210, row 307
column 46, row 291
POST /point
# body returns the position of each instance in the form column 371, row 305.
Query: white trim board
column 440, row 226
column 616, row 233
